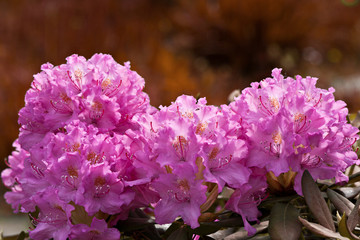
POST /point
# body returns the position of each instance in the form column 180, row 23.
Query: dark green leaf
column 316, row 202
column 260, row 237
column 349, row 192
column 243, row 234
column 344, row 230
column 132, row 224
column 321, row 230
column 205, row 229
column 354, row 217
column 181, row 234
column 21, row 236
column 173, row 227
column 211, row 227
column 354, row 178
column 341, row 203
column 284, row 223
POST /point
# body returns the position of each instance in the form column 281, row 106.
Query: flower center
column 101, row 187
column 181, row 145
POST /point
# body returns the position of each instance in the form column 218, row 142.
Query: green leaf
column 354, row 178
column 354, row 217
column 205, row 229
column 133, row 223
column 321, row 230
column 349, row 192
column 284, row 223
column 173, row 227
column 243, row 234
column 21, row 236
column 341, row 203
column 344, row 230
column 316, row 202
column 181, row 234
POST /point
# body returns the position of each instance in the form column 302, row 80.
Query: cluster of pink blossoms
column 91, row 148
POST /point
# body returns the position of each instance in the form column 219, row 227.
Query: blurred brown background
column 205, row 47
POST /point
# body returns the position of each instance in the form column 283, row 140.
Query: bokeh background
column 204, row 47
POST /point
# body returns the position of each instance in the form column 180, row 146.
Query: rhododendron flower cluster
column 91, row 149
column 294, row 126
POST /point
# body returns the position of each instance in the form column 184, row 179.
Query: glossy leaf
column 344, row 230
column 173, row 227
column 243, row 234
column 349, row 192
column 316, row 202
column 21, row 236
column 354, row 178
column 321, row 230
column 284, row 223
column 180, row 234
column 341, row 203
column 133, row 223
column 354, row 217
column 206, row 229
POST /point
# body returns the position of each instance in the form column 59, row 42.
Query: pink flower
column 53, row 220
column 292, row 125
column 245, row 200
column 99, row 91
column 97, row 230
column 180, row 195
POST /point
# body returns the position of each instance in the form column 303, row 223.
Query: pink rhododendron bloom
column 181, row 194
column 245, row 200
column 91, row 149
column 99, row 91
column 194, row 145
column 80, row 141
column 97, row 230
column 293, row 125
column 54, row 217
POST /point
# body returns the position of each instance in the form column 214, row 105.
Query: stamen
column 200, row 128
column 255, row 198
column 310, row 161
column 77, row 87
column 151, row 128
column 34, row 85
column 182, row 193
column 318, row 100
column 94, row 158
column 108, row 87
column 37, row 170
column 34, row 221
column 70, row 180
column 6, row 161
column 101, row 187
column 142, row 103
column 264, row 107
column 301, row 119
column 347, row 143
column 73, row 147
column 178, row 111
column 180, row 145
column 63, row 104
column 97, row 111
column 130, row 158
